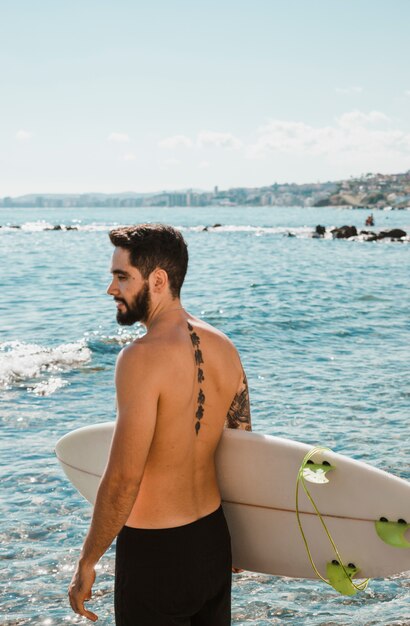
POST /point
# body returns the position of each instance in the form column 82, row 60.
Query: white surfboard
column 257, row 478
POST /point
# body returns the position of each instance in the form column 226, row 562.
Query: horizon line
column 196, row 190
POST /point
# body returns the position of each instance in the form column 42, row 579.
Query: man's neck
column 163, row 313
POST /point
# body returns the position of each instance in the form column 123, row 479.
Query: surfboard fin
column 340, row 577
column 316, row 472
column 393, row 532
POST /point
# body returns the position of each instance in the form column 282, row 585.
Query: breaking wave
column 301, row 232
column 40, row 226
column 21, row 362
column 40, row 370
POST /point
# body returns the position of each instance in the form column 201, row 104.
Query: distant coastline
column 371, row 191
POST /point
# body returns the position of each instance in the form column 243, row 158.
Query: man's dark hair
column 155, row 245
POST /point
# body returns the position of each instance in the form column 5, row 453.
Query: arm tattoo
column 239, row 414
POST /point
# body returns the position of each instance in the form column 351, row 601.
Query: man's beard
column 138, row 310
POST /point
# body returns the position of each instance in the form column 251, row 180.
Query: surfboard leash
column 340, row 575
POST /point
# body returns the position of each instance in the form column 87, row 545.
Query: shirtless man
column 177, row 387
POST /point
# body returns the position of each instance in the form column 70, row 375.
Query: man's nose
column 111, row 289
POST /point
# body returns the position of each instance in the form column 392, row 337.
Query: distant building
column 178, row 199
column 377, row 189
column 266, row 199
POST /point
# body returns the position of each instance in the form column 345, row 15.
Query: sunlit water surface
column 324, row 333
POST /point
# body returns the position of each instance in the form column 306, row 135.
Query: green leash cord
column 344, row 584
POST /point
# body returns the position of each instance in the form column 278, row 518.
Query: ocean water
column 323, row 330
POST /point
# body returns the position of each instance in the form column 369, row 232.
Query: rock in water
column 319, row 231
column 344, row 232
column 395, row 233
column 369, row 235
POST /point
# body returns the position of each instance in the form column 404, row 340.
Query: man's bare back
column 179, row 482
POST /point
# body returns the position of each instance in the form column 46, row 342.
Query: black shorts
column 177, row 576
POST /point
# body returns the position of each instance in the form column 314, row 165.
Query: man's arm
column 137, row 398
column 239, row 414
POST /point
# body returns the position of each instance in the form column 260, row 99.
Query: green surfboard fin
column 393, row 532
column 340, row 577
column 316, row 472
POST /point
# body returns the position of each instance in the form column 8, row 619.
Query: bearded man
column 177, row 387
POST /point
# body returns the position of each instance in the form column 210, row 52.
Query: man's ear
column 158, row 280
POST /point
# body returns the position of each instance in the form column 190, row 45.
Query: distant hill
column 369, row 191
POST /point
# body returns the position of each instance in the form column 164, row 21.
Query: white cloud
column 176, row 141
column 221, row 140
column 119, row 137
column 205, row 138
column 357, row 118
column 23, row 135
column 407, row 92
column 129, row 156
column 165, row 164
column 355, row 133
column 348, row 90
column 203, row 165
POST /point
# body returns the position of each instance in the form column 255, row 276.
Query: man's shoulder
column 215, row 344
column 136, row 355
column 213, row 333
column 137, row 369
column 156, row 350
column 148, row 353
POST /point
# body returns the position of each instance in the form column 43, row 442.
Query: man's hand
column 79, row 590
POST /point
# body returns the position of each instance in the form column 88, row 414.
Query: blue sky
column 111, row 96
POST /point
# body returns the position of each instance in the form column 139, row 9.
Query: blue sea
column 323, row 329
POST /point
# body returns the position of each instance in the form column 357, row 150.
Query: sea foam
column 20, row 362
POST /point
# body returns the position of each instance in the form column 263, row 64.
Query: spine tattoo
column 200, row 376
